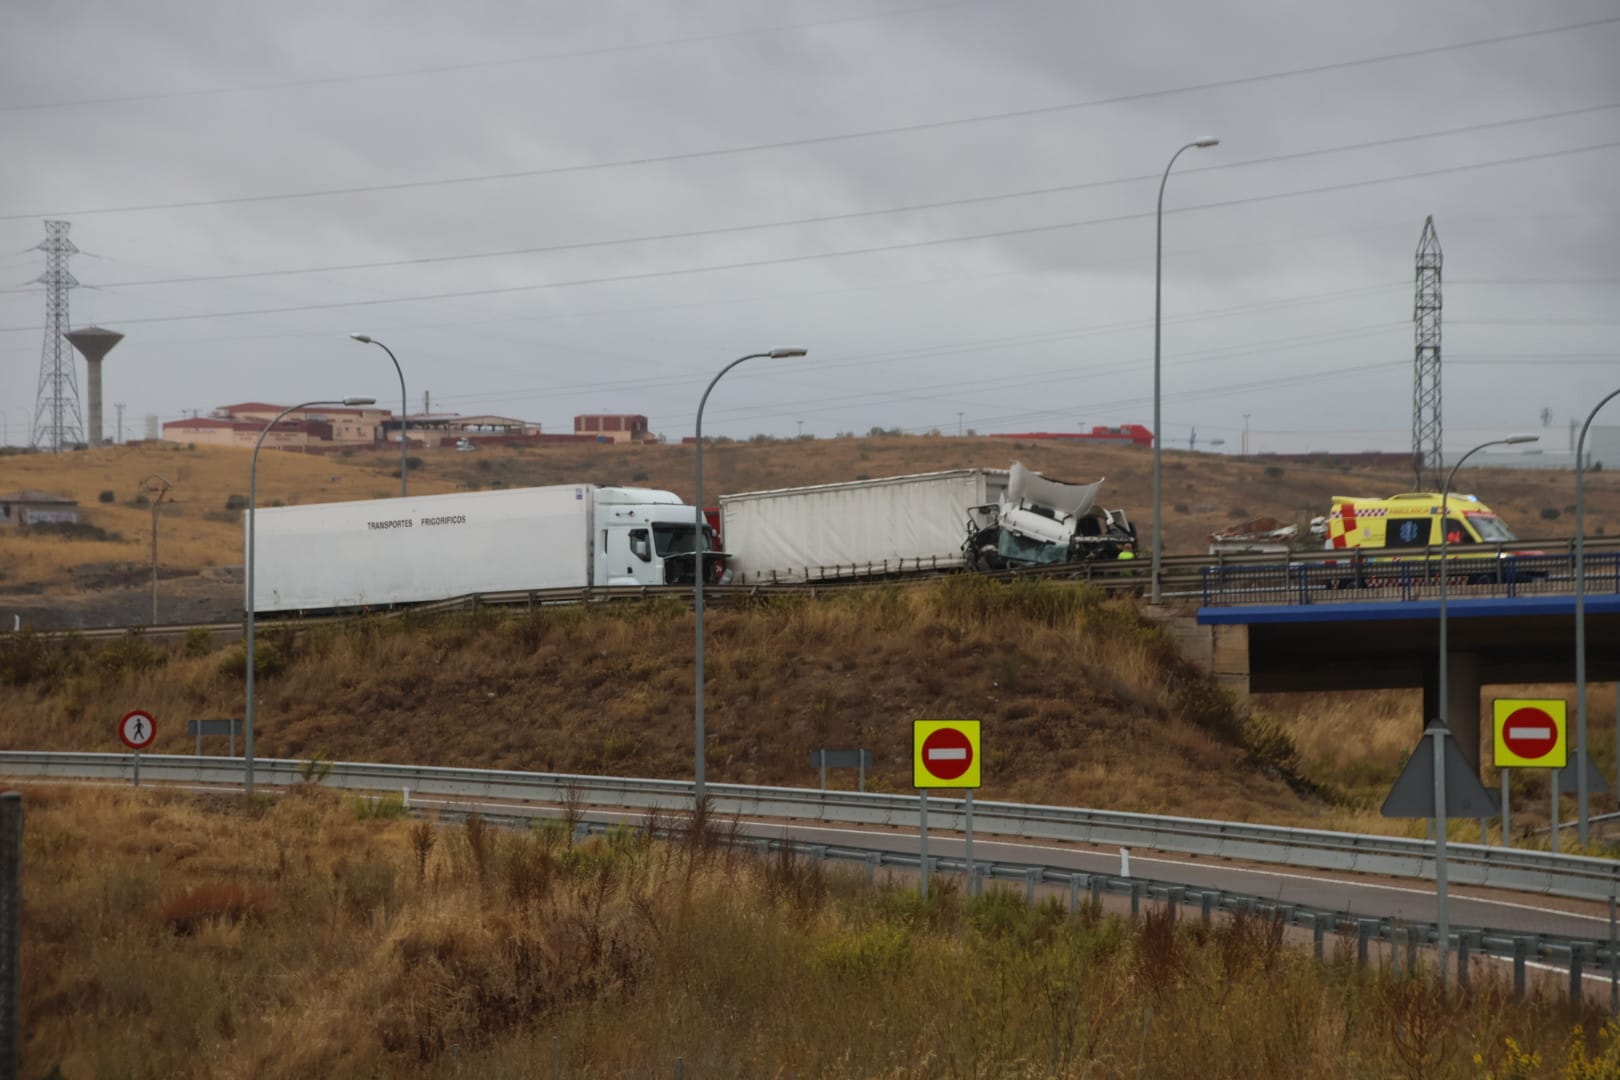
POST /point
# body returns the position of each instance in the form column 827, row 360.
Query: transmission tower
column 1426, row 449
column 57, row 423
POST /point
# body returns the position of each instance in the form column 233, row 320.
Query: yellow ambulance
column 1409, row 521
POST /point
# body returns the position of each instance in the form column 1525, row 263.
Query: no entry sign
column 945, row 753
column 1530, row 733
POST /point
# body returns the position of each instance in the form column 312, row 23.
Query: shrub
column 379, row 807
column 1274, row 472
column 1550, row 513
column 106, row 497
column 639, row 476
column 74, row 530
column 236, row 502
column 198, row 642
column 317, row 767
column 225, row 902
column 1181, row 508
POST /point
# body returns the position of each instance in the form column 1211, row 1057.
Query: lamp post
column 253, row 473
column 1441, row 929
column 404, row 422
column 1445, row 532
column 1158, row 290
column 155, row 488
column 699, row 544
column 1581, row 792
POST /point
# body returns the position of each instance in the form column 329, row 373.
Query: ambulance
column 1409, row 521
column 1407, row 527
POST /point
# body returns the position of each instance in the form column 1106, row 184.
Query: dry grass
column 1202, row 492
column 618, row 957
column 1083, row 702
column 195, row 531
column 1357, row 742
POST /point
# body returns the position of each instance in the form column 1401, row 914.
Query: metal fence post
column 1206, row 906
column 1575, row 984
column 1318, row 933
column 1074, row 895
column 1136, row 899
column 1363, row 937
column 1520, row 948
column 11, row 831
column 1463, row 941
column 1031, row 878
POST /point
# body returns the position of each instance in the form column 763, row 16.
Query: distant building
column 322, row 427
column 37, row 508
column 613, row 427
column 1120, row 434
column 447, row 429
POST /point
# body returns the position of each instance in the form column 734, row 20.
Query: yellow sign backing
column 945, row 753
column 1530, row 733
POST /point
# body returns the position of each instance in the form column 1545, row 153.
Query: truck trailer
column 380, row 553
column 979, row 519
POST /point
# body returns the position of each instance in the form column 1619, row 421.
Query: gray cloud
column 1039, row 329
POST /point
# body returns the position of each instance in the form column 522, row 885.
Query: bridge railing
column 1357, row 577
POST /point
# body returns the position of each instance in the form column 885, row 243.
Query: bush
column 106, row 497
column 1274, row 472
column 198, row 642
column 1550, row 513
column 638, row 477
column 74, row 530
column 236, row 502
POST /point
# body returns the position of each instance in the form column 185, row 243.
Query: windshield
column 677, row 540
column 1490, row 528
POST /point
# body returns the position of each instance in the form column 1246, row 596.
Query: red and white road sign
column 945, row 753
column 137, row 729
column 1530, row 733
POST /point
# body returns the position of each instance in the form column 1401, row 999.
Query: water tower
column 94, row 343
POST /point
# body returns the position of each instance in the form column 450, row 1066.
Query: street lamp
column 699, row 543
column 404, row 423
column 1445, row 691
column 1580, row 623
column 253, row 472
column 1158, row 289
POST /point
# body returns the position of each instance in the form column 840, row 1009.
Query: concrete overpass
column 1394, row 644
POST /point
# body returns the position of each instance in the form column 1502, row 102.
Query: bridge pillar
column 1462, row 700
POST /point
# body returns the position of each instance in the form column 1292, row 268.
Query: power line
column 820, row 140
column 481, row 65
column 913, row 245
column 690, row 234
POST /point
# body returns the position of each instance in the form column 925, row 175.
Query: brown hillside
column 1082, row 702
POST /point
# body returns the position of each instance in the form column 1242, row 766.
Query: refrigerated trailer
column 382, row 553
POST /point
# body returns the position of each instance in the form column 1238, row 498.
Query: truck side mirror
column 640, row 545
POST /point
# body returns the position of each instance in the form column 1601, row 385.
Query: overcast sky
column 547, row 208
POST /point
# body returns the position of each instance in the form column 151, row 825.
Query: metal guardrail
column 1182, row 577
column 1574, row 955
column 1408, row 577
column 1573, row 876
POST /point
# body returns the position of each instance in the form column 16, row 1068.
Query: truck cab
column 645, row 537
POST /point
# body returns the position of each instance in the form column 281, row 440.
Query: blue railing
column 1359, row 578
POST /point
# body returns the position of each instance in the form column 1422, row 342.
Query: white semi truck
column 380, row 553
column 980, row 519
